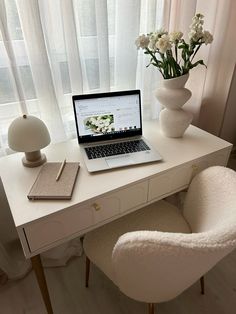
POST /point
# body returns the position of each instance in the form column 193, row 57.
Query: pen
column 60, row 170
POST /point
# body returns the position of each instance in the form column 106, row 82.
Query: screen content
column 106, row 115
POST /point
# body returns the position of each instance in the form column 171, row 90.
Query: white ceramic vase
column 173, row 95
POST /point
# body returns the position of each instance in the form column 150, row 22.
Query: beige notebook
column 46, row 187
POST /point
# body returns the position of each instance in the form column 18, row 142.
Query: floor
column 69, row 296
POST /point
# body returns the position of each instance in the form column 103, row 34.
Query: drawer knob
column 195, row 170
column 96, row 206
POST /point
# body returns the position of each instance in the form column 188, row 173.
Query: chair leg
column 202, row 285
column 150, row 308
column 87, row 272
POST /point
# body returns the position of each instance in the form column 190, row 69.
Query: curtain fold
column 127, row 29
column 11, row 57
column 50, row 50
column 210, row 87
column 72, row 47
column 63, row 47
column 147, row 79
column 103, row 44
column 221, row 62
column 48, row 98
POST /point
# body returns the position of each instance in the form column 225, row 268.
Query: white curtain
column 210, row 87
column 50, row 50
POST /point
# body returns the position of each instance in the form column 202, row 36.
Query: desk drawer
column 112, row 205
column 169, row 182
column 134, row 196
column 219, row 159
column 174, row 179
column 71, row 221
column 57, row 227
column 104, row 208
column 160, row 185
column 178, row 178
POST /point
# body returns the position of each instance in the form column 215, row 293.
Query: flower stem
column 195, row 52
column 153, row 56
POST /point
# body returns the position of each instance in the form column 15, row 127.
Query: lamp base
column 33, row 159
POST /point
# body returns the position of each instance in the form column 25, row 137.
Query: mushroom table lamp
column 29, row 134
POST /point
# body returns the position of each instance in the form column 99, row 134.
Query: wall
column 228, row 129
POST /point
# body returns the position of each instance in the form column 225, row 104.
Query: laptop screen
column 107, row 115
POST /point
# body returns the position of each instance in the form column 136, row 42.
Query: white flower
column 195, row 35
column 152, row 42
column 154, row 37
column 197, row 20
column 175, row 36
column 207, row 37
column 170, row 53
column 196, row 29
column 198, row 16
column 142, row 41
column 163, row 43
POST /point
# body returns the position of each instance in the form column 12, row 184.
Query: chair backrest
column 211, row 200
column 153, row 266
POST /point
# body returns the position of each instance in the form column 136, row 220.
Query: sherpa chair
column 155, row 253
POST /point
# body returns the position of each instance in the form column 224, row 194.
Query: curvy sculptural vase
column 173, row 95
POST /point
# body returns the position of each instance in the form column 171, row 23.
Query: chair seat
column 159, row 216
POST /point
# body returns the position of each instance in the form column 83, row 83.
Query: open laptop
column 109, row 129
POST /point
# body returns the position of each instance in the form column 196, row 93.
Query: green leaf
column 193, row 65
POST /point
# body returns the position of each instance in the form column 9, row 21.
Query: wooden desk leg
column 39, row 272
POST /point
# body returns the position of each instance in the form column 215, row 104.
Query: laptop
column 109, row 130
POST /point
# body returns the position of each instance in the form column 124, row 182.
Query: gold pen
column 60, row 170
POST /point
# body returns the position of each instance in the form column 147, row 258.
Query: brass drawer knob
column 96, row 206
column 195, row 169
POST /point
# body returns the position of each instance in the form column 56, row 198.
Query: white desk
column 101, row 197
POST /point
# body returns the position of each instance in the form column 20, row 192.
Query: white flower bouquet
column 170, row 53
column 100, row 124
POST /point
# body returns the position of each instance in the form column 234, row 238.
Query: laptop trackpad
column 114, row 162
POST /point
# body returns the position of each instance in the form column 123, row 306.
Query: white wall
column 228, row 129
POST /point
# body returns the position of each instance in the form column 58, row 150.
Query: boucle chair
column 157, row 252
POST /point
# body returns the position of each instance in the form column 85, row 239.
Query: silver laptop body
column 111, row 118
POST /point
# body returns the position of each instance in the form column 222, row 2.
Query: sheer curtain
column 50, row 50
column 210, row 87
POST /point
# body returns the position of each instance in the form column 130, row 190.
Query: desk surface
column 17, row 180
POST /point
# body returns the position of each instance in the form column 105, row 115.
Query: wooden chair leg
column 87, row 272
column 202, row 285
column 39, row 272
column 150, row 308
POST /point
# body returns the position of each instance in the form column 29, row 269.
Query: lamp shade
column 28, row 134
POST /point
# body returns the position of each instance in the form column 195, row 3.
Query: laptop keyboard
column 116, row 149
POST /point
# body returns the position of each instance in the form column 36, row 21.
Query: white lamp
column 29, row 134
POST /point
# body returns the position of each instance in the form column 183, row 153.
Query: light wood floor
column 68, row 295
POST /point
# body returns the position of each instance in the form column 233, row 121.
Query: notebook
column 109, row 130
column 46, row 187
